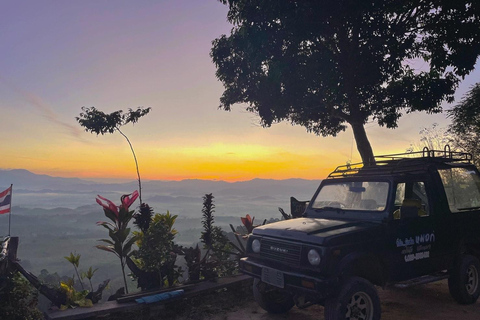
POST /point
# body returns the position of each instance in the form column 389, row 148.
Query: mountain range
column 43, row 191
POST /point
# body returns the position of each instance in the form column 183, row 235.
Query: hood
column 314, row 230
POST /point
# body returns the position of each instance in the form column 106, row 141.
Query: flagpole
column 10, row 212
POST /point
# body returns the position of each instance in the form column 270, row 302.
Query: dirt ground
column 425, row 302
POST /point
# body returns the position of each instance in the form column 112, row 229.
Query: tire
column 357, row 300
column 464, row 280
column 272, row 300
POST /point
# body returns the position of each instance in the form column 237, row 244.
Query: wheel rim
column 472, row 280
column 360, row 307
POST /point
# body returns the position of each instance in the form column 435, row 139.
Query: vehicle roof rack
column 402, row 162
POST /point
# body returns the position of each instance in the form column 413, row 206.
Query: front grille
column 286, row 252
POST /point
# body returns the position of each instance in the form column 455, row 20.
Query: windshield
column 367, row 196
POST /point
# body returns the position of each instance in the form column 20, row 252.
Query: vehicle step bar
column 422, row 280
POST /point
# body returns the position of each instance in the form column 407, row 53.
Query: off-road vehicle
column 408, row 219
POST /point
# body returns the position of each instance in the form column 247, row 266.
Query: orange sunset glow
column 60, row 56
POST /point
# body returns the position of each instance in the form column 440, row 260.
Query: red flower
column 248, row 223
column 107, row 204
column 128, row 199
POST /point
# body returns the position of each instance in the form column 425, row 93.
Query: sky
column 58, row 56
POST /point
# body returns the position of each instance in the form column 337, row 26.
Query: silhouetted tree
column 433, row 137
column 99, row 122
column 465, row 126
column 325, row 64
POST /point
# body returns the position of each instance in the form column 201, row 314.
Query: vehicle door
column 412, row 231
column 461, row 211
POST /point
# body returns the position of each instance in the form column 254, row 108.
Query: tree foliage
column 433, row 137
column 328, row 64
column 465, row 126
column 99, row 122
column 18, row 299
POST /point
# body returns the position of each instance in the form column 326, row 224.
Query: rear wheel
column 271, row 299
column 357, row 300
column 464, row 281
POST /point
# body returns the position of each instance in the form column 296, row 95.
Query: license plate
column 273, row 277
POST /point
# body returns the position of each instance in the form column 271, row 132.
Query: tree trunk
column 363, row 145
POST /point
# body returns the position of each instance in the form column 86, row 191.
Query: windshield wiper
column 469, row 208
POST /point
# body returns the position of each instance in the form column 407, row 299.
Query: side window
column 400, row 194
column 411, row 196
column 462, row 187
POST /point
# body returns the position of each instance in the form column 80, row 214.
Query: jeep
column 408, row 219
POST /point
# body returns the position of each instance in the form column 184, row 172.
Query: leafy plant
column 196, row 266
column 74, row 259
column 119, row 243
column 89, row 275
column 214, row 240
column 248, row 223
column 243, row 232
column 74, row 298
column 157, row 251
column 223, row 251
column 18, row 299
column 96, row 121
column 207, row 220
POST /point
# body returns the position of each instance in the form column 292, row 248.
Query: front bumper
column 293, row 281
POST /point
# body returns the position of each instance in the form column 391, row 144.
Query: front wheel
column 270, row 299
column 357, row 300
column 464, row 283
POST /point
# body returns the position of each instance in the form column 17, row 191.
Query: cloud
column 46, row 110
column 49, row 114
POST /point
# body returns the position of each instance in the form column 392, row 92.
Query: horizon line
column 133, row 180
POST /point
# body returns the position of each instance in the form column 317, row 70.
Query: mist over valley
column 55, row 216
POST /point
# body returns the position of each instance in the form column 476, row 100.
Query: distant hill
column 25, row 179
column 43, row 191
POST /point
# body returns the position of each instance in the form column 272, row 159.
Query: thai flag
column 5, row 200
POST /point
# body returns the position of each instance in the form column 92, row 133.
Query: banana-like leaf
column 111, row 215
column 108, row 249
column 128, row 245
column 107, row 225
column 107, row 241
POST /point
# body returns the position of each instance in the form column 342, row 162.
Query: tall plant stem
column 136, row 165
column 124, row 277
column 78, row 276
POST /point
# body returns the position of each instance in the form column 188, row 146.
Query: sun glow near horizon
column 228, row 162
column 216, row 161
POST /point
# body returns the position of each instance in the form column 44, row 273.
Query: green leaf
column 128, row 245
column 108, row 249
column 107, row 241
column 111, row 215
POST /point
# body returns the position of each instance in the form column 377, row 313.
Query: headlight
column 313, row 257
column 256, row 246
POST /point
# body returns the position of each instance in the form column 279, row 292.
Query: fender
column 469, row 244
column 363, row 264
